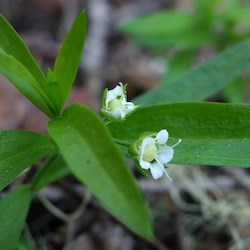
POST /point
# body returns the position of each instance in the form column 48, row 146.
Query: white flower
column 115, row 105
column 154, row 153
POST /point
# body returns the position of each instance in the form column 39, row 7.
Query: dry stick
column 157, row 244
column 240, row 176
column 69, row 219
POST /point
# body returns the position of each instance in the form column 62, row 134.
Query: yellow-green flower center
column 117, row 102
column 149, row 153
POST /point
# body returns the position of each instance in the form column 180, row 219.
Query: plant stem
column 121, row 142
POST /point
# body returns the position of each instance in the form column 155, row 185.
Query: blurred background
column 142, row 43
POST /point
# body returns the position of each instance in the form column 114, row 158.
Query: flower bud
column 115, row 105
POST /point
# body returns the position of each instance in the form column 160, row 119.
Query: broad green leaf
column 13, row 211
column 185, row 40
column 178, row 64
column 92, row 157
column 203, row 81
column 68, row 59
column 211, row 133
column 164, row 22
column 20, row 149
column 55, row 168
column 21, row 78
column 12, row 44
column 166, row 29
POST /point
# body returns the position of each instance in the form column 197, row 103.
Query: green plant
column 178, row 36
column 92, row 149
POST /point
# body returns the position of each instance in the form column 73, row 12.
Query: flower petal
column 129, row 105
column 116, row 113
column 148, row 140
column 165, row 154
column 129, row 108
column 145, row 164
column 162, row 136
column 156, row 170
column 114, row 93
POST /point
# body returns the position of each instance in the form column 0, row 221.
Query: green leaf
column 53, row 90
column 13, row 211
column 185, row 40
column 55, row 168
column 26, row 244
column 211, row 133
column 163, row 22
column 205, row 7
column 12, row 44
column 20, row 149
column 178, row 64
column 235, row 91
column 68, row 59
column 21, row 78
column 239, row 14
column 203, row 81
column 168, row 29
column 93, row 158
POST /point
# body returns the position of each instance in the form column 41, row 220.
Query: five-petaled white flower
column 114, row 103
column 154, row 153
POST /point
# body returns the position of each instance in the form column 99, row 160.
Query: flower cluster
column 115, row 105
column 150, row 151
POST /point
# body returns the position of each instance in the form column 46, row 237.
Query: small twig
column 240, row 176
column 52, row 208
column 60, row 214
column 157, row 244
column 237, row 239
column 69, row 219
